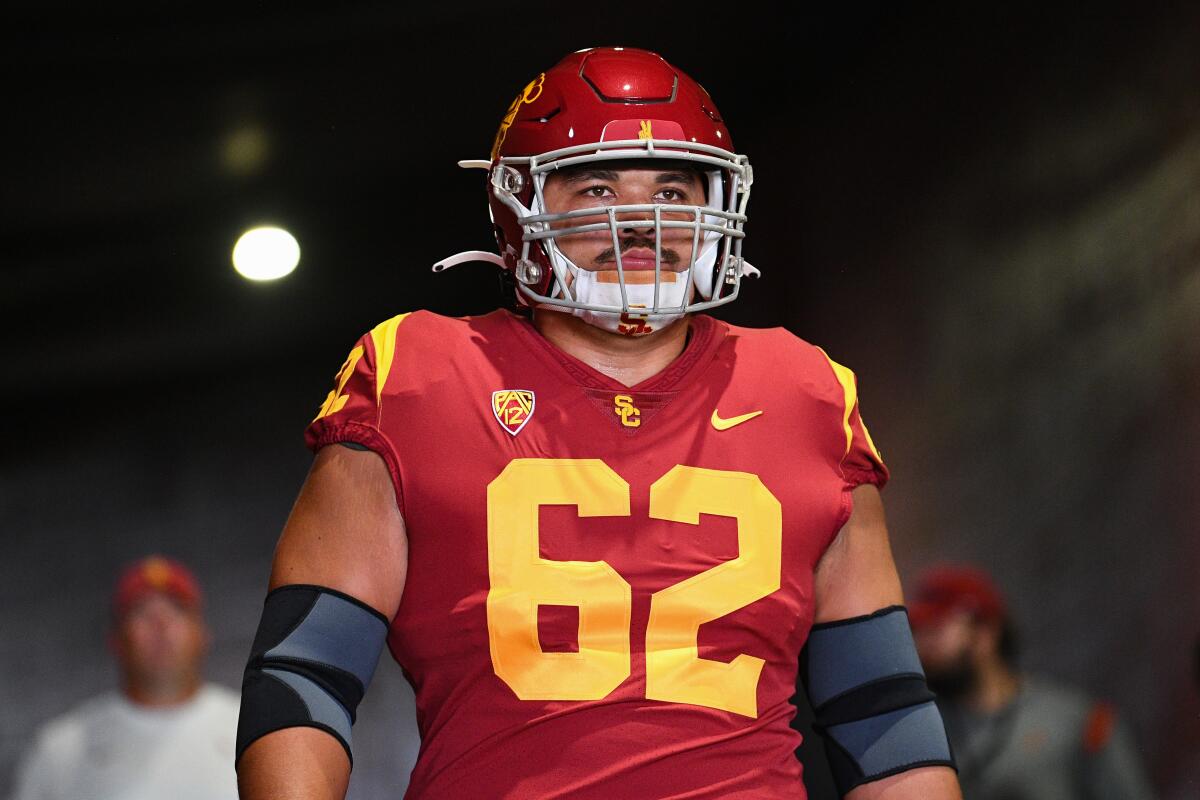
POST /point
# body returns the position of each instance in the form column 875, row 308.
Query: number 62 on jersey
column 521, row 580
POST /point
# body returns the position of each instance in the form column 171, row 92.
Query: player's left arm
column 877, row 716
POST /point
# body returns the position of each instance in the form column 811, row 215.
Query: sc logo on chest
column 623, row 407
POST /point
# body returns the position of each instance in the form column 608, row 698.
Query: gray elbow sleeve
column 311, row 662
column 872, row 704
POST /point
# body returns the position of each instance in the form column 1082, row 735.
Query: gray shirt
column 1051, row 743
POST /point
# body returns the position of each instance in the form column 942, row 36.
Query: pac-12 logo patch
column 513, row 408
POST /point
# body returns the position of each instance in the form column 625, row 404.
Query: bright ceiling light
column 265, row 254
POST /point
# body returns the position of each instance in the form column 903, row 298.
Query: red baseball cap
column 948, row 588
column 155, row 574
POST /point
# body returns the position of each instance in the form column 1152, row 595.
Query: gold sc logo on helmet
column 531, row 92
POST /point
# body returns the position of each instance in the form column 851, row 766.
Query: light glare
column 245, row 150
column 265, row 254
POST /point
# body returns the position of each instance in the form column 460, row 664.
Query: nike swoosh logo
column 726, row 424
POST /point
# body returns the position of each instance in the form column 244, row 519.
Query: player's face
column 613, row 184
column 159, row 643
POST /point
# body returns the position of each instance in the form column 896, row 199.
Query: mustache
column 609, row 254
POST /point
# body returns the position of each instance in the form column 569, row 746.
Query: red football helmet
column 607, row 104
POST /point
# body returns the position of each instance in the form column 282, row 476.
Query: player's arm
column 863, row 675
column 345, row 534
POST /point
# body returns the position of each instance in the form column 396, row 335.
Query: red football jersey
column 608, row 587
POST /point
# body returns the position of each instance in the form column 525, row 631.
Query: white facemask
column 703, row 286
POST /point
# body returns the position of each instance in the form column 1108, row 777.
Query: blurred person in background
column 1015, row 737
column 1186, row 784
column 166, row 733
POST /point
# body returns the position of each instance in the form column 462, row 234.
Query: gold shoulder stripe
column 850, row 394
column 383, row 336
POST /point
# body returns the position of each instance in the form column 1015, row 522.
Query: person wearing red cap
column 1015, row 737
column 165, row 733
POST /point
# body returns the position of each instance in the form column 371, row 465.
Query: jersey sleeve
column 861, row 462
column 352, row 409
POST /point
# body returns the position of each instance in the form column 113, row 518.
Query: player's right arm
column 344, row 533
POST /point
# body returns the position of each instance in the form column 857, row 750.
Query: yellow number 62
column 521, row 580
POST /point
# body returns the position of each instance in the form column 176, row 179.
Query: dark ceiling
column 141, row 143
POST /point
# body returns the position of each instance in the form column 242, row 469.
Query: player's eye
column 671, row 196
column 596, row 191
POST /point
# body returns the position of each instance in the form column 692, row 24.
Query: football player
column 596, row 532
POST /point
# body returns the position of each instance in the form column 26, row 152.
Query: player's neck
column 627, row 359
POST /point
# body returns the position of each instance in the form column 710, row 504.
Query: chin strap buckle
column 528, row 272
column 736, row 265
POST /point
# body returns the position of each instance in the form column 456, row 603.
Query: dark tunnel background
column 993, row 216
